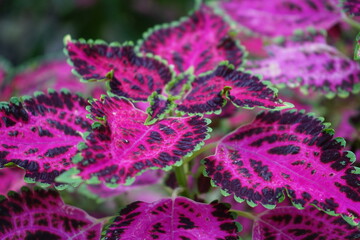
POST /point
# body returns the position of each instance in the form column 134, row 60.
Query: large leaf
column 279, row 17
column 131, row 75
column 310, row 223
column 200, row 41
column 123, row 146
column 292, row 151
column 55, row 74
column 306, row 60
column 40, row 133
column 41, row 214
column 210, row 92
column 178, row 218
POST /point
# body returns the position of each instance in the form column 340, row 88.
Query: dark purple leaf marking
column 292, row 151
column 310, row 223
column 306, row 60
column 123, row 147
column 40, row 133
column 210, row 91
column 352, row 7
column 178, row 218
column 131, row 75
column 200, row 41
column 159, row 107
column 41, row 214
column 281, row 18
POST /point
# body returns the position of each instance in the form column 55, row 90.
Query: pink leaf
column 200, row 41
column 288, row 151
column 159, row 107
column 306, row 60
column 310, row 223
column 55, row 74
column 123, row 146
column 40, row 133
column 41, row 214
column 178, row 218
column 352, row 7
column 281, row 18
column 11, row 179
column 210, row 92
column 130, row 75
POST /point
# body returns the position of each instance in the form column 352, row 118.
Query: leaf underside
column 310, row 223
column 200, row 41
column 210, row 92
column 123, row 146
column 41, row 214
column 40, row 133
column 178, row 218
column 288, row 151
column 307, row 61
column 281, row 18
column 130, row 75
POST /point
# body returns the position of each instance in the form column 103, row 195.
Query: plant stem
column 247, row 215
column 200, row 151
column 181, row 178
column 351, row 22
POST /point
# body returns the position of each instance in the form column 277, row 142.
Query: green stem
column 244, row 214
column 181, row 178
column 105, row 220
column 200, row 151
column 351, row 22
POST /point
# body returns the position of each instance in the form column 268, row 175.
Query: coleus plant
column 162, row 93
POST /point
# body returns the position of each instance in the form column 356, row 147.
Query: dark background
column 36, row 28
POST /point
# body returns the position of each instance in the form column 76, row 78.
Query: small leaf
column 288, row 151
column 306, row 60
column 178, row 218
column 41, row 214
column 200, row 41
column 130, row 75
column 351, row 7
column 357, row 48
column 55, row 74
column 310, row 223
column 281, row 18
column 40, row 133
column 210, row 92
column 123, row 147
column 11, row 179
column 159, row 107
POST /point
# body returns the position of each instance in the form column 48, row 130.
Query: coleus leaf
column 40, row 133
column 178, row 218
column 200, row 41
column 289, row 151
column 123, row 146
column 11, row 179
column 159, row 107
column 40, row 76
column 310, row 223
column 131, row 75
column 281, row 18
column 357, row 48
column 210, row 92
column 352, row 7
column 41, row 214
column 306, row 60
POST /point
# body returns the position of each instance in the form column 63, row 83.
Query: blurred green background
column 34, row 28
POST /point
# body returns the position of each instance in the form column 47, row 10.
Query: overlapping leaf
column 306, row 60
column 12, row 179
column 131, row 75
column 123, row 146
column 310, row 223
column 281, row 18
column 159, row 107
column 352, row 7
column 200, row 41
column 291, row 151
column 210, row 92
column 40, row 133
column 55, row 74
column 41, row 214
column 178, row 218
